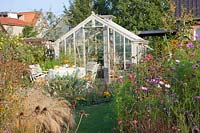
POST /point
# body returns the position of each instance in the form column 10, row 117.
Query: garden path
column 100, row 119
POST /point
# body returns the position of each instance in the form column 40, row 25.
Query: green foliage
column 78, row 11
column 137, row 15
column 68, row 87
column 79, row 92
column 29, row 31
column 14, row 48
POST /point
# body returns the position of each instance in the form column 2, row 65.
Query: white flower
column 159, row 86
column 177, row 61
column 167, row 85
column 121, row 77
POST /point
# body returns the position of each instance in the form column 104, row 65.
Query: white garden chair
column 36, row 72
column 91, row 71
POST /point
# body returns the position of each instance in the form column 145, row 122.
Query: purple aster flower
column 197, row 97
column 190, row 45
column 195, row 66
column 144, row 88
column 154, row 81
column 198, row 61
column 173, row 68
column 158, row 59
column 175, row 100
column 190, row 115
column 195, row 128
column 193, row 75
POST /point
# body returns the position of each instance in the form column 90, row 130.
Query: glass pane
column 98, row 24
column 79, row 47
column 70, row 50
column 197, row 34
column 119, row 50
column 62, row 47
column 140, row 51
column 93, row 41
column 128, row 52
column 69, row 45
column 89, row 24
column 111, row 40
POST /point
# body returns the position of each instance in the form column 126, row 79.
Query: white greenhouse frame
column 118, row 45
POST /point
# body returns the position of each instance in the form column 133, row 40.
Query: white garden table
column 63, row 71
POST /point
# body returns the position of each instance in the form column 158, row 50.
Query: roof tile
column 12, row 21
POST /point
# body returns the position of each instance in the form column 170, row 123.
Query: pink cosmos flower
column 144, row 88
column 195, row 66
column 148, row 57
column 135, row 122
column 161, row 83
column 121, row 79
column 120, row 122
column 5, row 131
column 131, row 76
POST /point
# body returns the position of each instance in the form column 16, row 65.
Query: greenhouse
column 99, row 39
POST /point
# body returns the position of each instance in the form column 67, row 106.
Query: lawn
column 100, row 119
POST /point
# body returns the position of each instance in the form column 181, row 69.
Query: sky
column 56, row 6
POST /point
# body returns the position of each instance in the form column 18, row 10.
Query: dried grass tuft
column 43, row 113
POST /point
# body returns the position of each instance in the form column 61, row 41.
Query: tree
column 29, row 31
column 51, row 18
column 103, row 7
column 140, row 15
column 134, row 15
column 78, row 11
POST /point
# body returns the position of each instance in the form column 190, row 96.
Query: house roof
column 155, row 33
column 30, row 17
column 12, row 22
column 110, row 24
column 37, row 40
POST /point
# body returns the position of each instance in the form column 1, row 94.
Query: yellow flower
column 65, row 61
column 80, row 98
column 165, row 81
column 106, row 94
